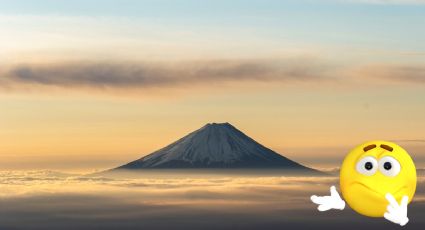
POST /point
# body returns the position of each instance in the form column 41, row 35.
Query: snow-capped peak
column 215, row 145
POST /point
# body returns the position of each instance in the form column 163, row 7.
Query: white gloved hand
column 397, row 213
column 325, row 203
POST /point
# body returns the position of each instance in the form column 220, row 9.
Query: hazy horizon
column 319, row 158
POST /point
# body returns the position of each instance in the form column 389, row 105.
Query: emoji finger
column 390, row 209
column 323, row 207
column 318, row 199
column 392, row 200
column 404, row 201
column 334, row 192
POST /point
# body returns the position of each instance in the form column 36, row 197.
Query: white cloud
column 51, row 200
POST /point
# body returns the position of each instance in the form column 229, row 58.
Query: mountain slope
column 216, row 145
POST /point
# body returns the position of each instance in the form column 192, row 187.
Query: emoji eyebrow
column 369, row 147
column 386, row 147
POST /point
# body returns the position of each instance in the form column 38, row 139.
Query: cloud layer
column 49, row 200
column 144, row 75
column 397, row 73
column 131, row 76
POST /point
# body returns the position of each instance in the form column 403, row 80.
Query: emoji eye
column 367, row 166
column 389, row 166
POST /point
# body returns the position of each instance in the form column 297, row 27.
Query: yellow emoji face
column 372, row 170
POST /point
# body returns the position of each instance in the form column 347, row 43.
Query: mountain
column 215, row 145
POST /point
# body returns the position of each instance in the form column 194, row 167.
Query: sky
column 90, row 84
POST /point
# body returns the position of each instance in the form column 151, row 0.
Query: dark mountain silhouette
column 216, row 145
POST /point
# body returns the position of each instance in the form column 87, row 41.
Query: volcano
column 215, row 145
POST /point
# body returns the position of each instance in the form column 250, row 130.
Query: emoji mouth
column 395, row 193
column 399, row 190
column 368, row 188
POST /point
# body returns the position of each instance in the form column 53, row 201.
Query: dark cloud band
column 141, row 75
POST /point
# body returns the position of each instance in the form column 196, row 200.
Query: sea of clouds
column 54, row 200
